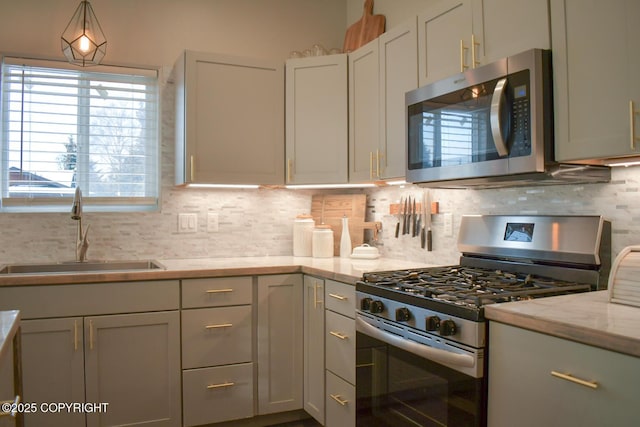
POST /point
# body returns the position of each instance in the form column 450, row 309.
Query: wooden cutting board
column 366, row 29
column 329, row 209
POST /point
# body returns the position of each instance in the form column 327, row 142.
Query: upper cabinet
column 364, row 100
column 596, row 61
column 317, row 120
column 398, row 49
column 230, row 120
column 455, row 35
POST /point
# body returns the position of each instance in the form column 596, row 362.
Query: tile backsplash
column 260, row 222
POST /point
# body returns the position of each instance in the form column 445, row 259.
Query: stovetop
column 460, row 290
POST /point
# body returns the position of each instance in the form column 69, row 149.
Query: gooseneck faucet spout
column 82, row 244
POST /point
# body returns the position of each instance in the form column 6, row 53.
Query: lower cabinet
column 541, row 380
column 314, row 395
column 280, row 337
column 341, row 402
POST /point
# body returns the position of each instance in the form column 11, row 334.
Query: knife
column 416, row 231
column 405, row 216
column 428, row 220
column 423, row 230
column 414, row 218
column 399, row 218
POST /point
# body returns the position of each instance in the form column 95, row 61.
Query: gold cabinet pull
column 75, row 335
column 339, row 335
column 90, row 334
column 316, row 301
column 378, row 164
column 218, row 291
column 569, row 377
column 192, row 163
column 336, row 296
column 632, row 121
column 463, row 50
column 221, row 385
column 14, row 404
column 221, row 325
column 474, row 45
column 339, row 399
column 289, row 167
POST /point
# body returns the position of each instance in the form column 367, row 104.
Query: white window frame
column 149, row 202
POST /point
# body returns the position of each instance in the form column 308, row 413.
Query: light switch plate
column 212, row 222
column 187, row 223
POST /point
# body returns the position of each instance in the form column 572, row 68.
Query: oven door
column 397, row 387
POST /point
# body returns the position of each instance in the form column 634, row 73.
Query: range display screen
column 519, row 232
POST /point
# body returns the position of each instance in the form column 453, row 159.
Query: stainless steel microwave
column 487, row 127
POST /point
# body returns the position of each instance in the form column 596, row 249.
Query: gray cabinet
column 230, row 120
column 280, row 335
column 317, row 120
column 340, row 350
column 576, row 384
column 596, row 62
column 78, row 351
column 217, row 349
column 314, row 347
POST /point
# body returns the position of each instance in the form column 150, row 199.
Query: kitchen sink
column 81, row 267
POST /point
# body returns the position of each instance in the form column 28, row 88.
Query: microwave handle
column 497, row 101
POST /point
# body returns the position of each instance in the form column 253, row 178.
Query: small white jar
column 302, row 235
column 322, row 244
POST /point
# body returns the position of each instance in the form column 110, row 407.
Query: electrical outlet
column 212, row 222
column 448, row 224
column 187, row 223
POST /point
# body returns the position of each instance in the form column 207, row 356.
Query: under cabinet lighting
column 327, row 186
column 247, row 186
column 623, row 163
column 398, row 182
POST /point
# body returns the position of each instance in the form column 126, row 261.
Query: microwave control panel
column 520, row 115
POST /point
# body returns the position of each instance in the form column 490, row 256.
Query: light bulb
column 84, row 43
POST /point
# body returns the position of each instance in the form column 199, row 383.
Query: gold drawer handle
column 222, row 385
column 340, row 297
column 222, row 325
column 14, row 404
column 218, row 291
column 568, row 377
column 339, row 399
column 339, row 335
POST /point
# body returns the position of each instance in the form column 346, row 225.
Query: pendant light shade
column 83, row 42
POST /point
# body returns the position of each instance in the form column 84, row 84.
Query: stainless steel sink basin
column 81, row 267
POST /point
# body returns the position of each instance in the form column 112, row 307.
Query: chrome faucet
column 82, row 244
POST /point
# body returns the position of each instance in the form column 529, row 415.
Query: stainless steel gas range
column 421, row 334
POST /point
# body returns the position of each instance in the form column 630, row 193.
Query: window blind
column 64, row 127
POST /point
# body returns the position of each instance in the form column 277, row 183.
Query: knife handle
column 422, row 238
column 429, row 241
column 397, row 229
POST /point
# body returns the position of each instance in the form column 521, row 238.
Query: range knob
column 403, row 314
column 365, row 304
column 432, row 323
column 448, row 327
column 376, row 306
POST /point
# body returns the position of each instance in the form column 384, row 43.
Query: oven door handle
column 434, row 354
column 497, row 102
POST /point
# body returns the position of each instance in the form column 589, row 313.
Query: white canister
column 322, row 244
column 302, row 235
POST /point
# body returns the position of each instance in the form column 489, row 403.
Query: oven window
column 396, row 388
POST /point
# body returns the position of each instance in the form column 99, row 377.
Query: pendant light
column 83, row 42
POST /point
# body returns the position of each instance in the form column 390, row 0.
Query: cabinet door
column 314, row 347
column 317, row 120
column 53, row 369
column 363, row 113
column 234, row 119
column 521, row 363
column 398, row 75
column 279, row 338
column 511, row 27
column 596, row 61
column 444, row 40
column 132, row 362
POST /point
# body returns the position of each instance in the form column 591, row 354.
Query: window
column 65, row 127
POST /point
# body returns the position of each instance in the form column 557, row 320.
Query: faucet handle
column 83, row 245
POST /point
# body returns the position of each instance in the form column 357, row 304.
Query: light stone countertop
column 346, row 270
column 587, row 318
column 9, row 323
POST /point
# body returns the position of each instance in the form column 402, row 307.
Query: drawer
column 341, row 346
column 340, row 298
column 340, row 402
column 216, row 336
column 216, row 292
column 212, row 395
column 38, row 302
